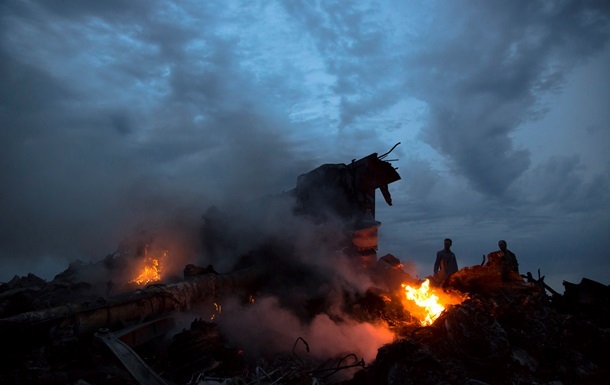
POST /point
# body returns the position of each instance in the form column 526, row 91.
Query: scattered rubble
column 505, row 333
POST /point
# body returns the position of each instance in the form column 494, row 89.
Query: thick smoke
column 265, row 328
column 99, row 152
column 309, row 281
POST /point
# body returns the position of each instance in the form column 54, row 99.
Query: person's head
column 448, row 243
column 502, row 244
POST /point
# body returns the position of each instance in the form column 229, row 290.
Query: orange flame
column 218, row 309
column 150, row 273
column 426, row 304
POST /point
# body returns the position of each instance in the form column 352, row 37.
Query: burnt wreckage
column 504, row 332
column 348, row 191
column 342, row 193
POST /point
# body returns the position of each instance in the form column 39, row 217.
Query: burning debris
column 427, row 304
column 151, row 272
column 511, row 334
column 349, row 318
column 501, row 334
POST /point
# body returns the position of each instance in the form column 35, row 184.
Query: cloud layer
column 119, row 115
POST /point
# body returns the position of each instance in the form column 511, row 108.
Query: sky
column 116, row 115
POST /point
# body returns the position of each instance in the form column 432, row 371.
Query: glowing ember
column 150, row 273
column 218, row 309
column 425, row 304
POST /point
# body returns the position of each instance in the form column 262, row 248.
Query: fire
column 150, row 273
column 218, row 309
column 426, row 304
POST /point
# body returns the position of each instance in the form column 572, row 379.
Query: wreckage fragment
column 19, row 294
column 347, row 191
column 121, row 310
column 589, row 298
column 140, row 371
column 122, row 324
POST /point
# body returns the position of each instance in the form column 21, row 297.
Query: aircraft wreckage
column 120, row 327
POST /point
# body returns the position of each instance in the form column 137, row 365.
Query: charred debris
column 97, row 323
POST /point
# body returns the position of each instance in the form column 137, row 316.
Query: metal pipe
column 126, row 309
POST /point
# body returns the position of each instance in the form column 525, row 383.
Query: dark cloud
column 75, row 9
column 481, row 82
column 354, row 45
column 120, row 116
column 562, row 185
column 130, row 138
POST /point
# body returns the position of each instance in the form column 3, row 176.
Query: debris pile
column 506, row 333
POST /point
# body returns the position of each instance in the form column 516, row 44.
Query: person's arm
column 437, row 263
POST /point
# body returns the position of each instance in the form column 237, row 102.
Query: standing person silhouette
column 505, row 262
column 445, row 264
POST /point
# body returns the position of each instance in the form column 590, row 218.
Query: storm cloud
column 118, row 115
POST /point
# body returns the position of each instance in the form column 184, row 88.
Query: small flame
column 426, row 305
column 150, row 273
column 218, row 308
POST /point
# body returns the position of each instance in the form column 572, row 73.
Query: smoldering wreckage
column 117, row 321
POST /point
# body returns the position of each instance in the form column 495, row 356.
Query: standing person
column 445, row 264
column 505, row 262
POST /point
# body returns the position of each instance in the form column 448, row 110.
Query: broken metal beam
column 134, row 364
column 126, row 309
